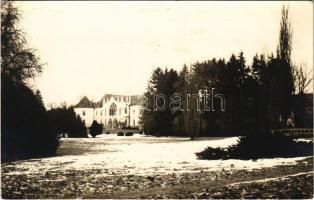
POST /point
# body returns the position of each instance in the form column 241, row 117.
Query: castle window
column 113, row 109
column 83, row 112
column 119, row 111
column 133, row 122
column 125, row 110
column 133, row 111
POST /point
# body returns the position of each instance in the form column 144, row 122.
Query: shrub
column 96, row 129
column 259, row 146
column 120, row 134
column 129, row 134
column 212, row 153
column 66, row 121
column 25, row 127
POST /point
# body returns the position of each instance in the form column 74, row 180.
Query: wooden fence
column 295, row 132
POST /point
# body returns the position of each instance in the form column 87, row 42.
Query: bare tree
column 301, row 77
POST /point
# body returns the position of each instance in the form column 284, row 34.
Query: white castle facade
column 113, row 111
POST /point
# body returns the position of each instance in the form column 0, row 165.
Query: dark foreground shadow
column 258, row 147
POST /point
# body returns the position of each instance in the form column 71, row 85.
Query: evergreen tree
column 96, row 129
column 65, row 120
column 181, row 91
column 259, row 89
column 193, row 113
column 149, row 118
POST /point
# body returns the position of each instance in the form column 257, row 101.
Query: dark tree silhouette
column 259, row 97
column 96, row 129
column 302, row 78
column 150, row 118
column 26, row 130
column 66, row 121
column 18, row 62
column 284, row 73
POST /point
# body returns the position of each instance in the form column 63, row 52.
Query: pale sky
column 93, row 48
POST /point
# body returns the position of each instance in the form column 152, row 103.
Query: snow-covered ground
column 138, row 154
column 307, row 140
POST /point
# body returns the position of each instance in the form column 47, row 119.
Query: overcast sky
column 93, row 48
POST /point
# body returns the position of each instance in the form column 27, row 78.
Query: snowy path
column 137, row 155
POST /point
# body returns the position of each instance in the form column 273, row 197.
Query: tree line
column 267, row 94
column 66, row 121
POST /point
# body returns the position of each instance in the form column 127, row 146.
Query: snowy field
column 138, row 155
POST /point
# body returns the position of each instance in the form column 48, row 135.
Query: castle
column 113, row 111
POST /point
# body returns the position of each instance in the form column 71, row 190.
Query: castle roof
column 136, row 100
column 86, row 103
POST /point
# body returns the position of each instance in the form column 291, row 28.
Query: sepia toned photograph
column 157, row 100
